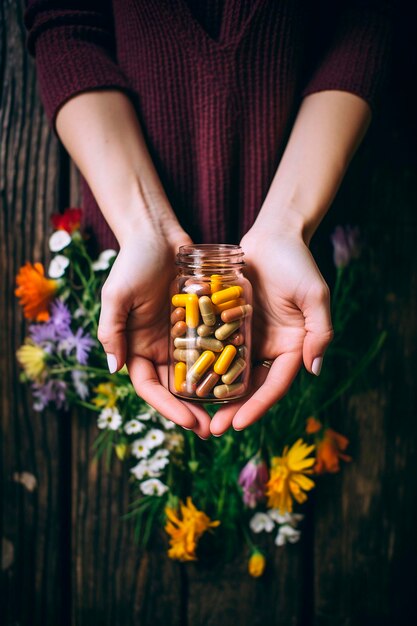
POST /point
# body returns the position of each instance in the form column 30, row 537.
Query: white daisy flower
column 260, row 522
column 153, row 487
column 161, row 454
column 59, row 240
column 57, row 266
column 140, row 448
column 133, row 426
column 166, row 423
column 157, row 465
column 144, row 417
column 154, row 438
column 286, row 518
column 287, row 533
column 142, row 470
column 103, row 261
column 109, row 418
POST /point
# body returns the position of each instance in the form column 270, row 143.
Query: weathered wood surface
column 73, row 560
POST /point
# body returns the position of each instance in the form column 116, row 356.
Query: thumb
column 112, row 328
column 318, row 325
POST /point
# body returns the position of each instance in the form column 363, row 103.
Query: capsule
column 228, row 391
column 236, row 313
column 242, row 352
column 231, row 293
column 188, row 388
column 234, row 371
column 237, row 339
column 209, row 343
column 207, row 310
column 179, row 329
column 230, row 304
column 216, row 282
column 224, row 331
column 205, row 331
column 178, row 315
column 207, row 384
column 179, row 375
column 200, row 289
column 185, row 342
column 188, row 356
column 202, row 364
column 190, row 301
column 223, row 362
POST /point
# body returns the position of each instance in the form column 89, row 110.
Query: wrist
column 286, row 220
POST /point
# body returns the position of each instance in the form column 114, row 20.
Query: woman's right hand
column 134, row 318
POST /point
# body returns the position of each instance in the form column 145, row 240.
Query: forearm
column 102, row 134
column 326, row 133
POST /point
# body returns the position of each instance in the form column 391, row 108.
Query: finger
column 318, row 325
column 111, row 329
column 147, row 385
column 202, row 427
column 283, row 371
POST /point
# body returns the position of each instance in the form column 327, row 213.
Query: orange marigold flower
column 35, row 292
column 70, row 220
column 313, row 425
column 256, row 565
column 330, row 451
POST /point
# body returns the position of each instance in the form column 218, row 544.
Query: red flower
column 70, row 220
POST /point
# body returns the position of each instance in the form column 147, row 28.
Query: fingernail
column 316, row 366
column 185, row 428
column 112, row 363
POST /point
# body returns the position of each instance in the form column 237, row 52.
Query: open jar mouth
column 207, row 257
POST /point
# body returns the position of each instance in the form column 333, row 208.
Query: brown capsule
column 178, row 315
column 205, row 331
column 199, row 288
column 209, row 343
column 236, row 313
column 178, row 329
column 229, row 391
column 224, row 331
column 207, row 310
column 237, row 339
column 234, row 371
column 207, row 384
column 188, row 388
column 185, row 342
column 187, row 356
column 242, row 352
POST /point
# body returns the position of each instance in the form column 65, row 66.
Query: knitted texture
column 216, row 86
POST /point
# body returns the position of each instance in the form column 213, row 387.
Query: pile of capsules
column 210, row 327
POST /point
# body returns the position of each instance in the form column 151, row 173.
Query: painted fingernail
column 112, row 363
column 316, row 366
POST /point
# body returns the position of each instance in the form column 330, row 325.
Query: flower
column 79, row 379
column 154, row 438
column 106, row 395
column 140, row 448
column 132, row 427
column 256, row 565
column 288, row 478
column 346, row 245
column 35, row 292
column 153, row 487
column 186, row 531
column 157, row 463
column 252, row 479
column 121, row 451
column 330, row 451
column 57, row 266
column 80, row 342
column 286, row 518
column 70, row 220
column 260, row 522
column 144, row 417
column 313, row 425
column 59, row 240
column 143, row 469
column 109, row 418
column 32, row 358
column 287, row 533
column 103, row 261
column 60, row 317
column 52, row 391
column 175, row 442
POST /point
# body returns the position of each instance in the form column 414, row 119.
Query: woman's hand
column 291, row 322
column 133, row 323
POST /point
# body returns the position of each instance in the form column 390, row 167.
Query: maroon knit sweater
column 216, row 86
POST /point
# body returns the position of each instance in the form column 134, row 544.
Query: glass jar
column 210, row 325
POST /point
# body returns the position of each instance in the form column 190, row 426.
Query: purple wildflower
column 346, row 245
column 60, row 317
column 44, row 335
column 79, row 343
column 52, row 391
column 252, row 479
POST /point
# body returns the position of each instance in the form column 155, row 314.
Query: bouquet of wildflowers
column 223, row 491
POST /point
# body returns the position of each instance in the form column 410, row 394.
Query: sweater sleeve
column 73, row 44
column 356, row 55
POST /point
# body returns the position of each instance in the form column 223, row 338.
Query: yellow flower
column 185, row 531
column 288, row 478
column 35, row 292
column 32, row 358
column 106, row 395
column 121, row 451
column 256, row 565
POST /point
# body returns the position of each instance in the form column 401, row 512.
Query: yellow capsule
column 205, row 331
column 200, row 366
column 188, row 356
column 229, row 391
column 209, row 343
column 224, row 331
column 234, row 371
column 179, row 375
column 231, row 293
column 223, row 362
column 190, row 301
column 216, row 282
column 230, row 304
column 207, row 310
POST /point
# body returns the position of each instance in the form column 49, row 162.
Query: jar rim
column 209, row 254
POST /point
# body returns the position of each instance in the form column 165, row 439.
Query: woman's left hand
column 291, row 322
